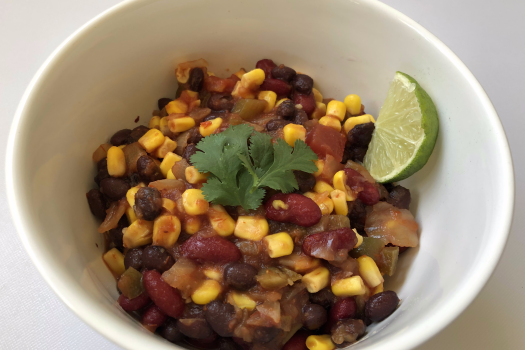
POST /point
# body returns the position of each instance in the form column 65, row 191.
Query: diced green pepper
column 130, row 283
column 387, row 261
column 249, row 109
column 370, row 246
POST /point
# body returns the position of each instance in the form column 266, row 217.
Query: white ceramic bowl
column 117, row 66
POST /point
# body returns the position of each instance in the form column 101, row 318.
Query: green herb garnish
column 238, row 173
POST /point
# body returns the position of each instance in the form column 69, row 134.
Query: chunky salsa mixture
column 242, row 218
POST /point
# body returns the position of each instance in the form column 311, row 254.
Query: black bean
column 389, row 187
column 137, row 133
column 303, row 83
column 102, row 171
column 190, row 150
column 133, row 259
column 228, row 344
column 276, row 124
column 305, row 180
column 133, row 179
column 97, row 203
column 102, row 164
column 148, row 203
column 314, row 316
column 148, row 170
column 212, row 116
column 220, row 102
column 354, row 153
column 399, row 197
column 157, row 258
column 219, row 317
column 194, row 328
column 286, row 109
column 381, row 305
column 360, row 135
column 170, row 332
column 196, row 79
column 114, row 188
column 357, row 215
column 162, row 102
column 265, row 334
column 120, row 137
column 324, row 297
column 193, row 311
column 240, row 276
column 300, row 117
column 284, row 73
column 115, row 235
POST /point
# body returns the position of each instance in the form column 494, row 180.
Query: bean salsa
column 242, row 217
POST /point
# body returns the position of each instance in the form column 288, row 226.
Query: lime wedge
column 405, row 132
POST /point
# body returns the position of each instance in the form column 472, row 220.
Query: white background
column 489, row 36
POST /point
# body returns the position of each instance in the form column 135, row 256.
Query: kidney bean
column 190, row 150
column 170, row 332
column 283, row 73
column 137, row 133
column 148, row 203
column 301, row 210
column 227, row 344
column 220, row 317
column 153, row 316
column 303, row 83
column 360, row 135
column 306, row 181
column 281, row 88
column 265, row 334
column 240, row 276
column 97, row 203
column 381, row 305
column 367, row 192
column 324, row 297
column 133, row 258
column 148, row 170
column 342, row 309
column 330, row 245
column 135, row 303
column 194, row 328
column 162, row 102
column 276, row 124
column 297, row 341
column 286, row 109
column 220, row 102
column 120, row 137
column 166, row 297
column 307, row 101
column 213, row 249
column 266, row 65
column 114, row 188
column 399, row 197
column 157, row 258
column 196, row 79
column 314, row 316
column 347, row 331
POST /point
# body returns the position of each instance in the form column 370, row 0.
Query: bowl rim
column 413, row 337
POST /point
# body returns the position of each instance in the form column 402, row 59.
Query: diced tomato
column 324, row 140
column 216, row 84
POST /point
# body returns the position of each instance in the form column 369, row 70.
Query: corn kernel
column 320, row 342
column 130, row 195
column 207, row 292
column 170, row 175
column 294, row 132
column 176, row 106
column 193, row 176
column 339, row 199
column 251, row 227
column 281, row 101
column 240, row 73
column 377, row 289
column 181, row 124
column 221, row 221
column 322, row 200
column 115, row 261
column 166, row 230
column 336, row 109
column 154, row 122
column 210, row 74
column 242, row 92
column 339, row 182
column 191, row 224
column 331, row 122
column 194, row 202
column 353, row 104
column 359, row 238
column 163, row 127
column 168, row 162
column 300, row 263
column 243, row 301
column 278, row 244
column 317, row 95
column 322, row 186
column 270, row 97
column 319, row 111
column 213, row 274
column 169, row 205
column 320, row 166
column 130, row 214
column 139, row 233
column 116, row 162
column 369, row 271
column 151, row 140
column 207, row 128
column 252, row 79
column 353, row 121
column 317, row 279
column 349, row 287
column 167, row 146
column 278, row 204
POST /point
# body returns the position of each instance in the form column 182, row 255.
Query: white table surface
column 489, row 36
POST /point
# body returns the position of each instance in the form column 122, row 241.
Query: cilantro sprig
column 239, row 174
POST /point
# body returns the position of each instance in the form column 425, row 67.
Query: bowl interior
column 117, row 68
